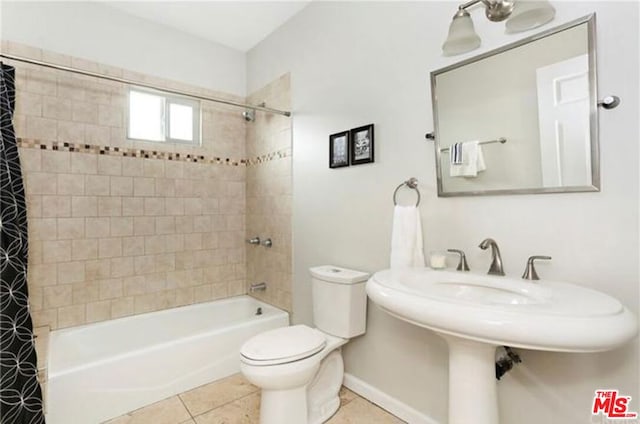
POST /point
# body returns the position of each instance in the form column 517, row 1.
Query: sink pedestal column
column 473, row 396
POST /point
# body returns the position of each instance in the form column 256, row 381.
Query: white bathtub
column 103, row 370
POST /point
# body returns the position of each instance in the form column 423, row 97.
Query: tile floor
column 234, row 400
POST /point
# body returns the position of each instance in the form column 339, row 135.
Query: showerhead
column 249, row 115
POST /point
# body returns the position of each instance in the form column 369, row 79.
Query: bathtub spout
column 258, row 287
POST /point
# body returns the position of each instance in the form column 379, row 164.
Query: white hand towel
column 406, row 238
column 467, row 161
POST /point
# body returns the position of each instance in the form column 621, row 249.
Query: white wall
column 99, row 33
column 355, row 63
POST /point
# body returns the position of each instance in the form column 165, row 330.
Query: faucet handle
column 255, row 240
column 462, row 264
column 530, row 272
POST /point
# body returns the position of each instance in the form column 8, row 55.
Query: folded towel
column 466, row 159
column 455, row 154
column 406, row 238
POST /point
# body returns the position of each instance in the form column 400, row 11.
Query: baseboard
column 386, row 402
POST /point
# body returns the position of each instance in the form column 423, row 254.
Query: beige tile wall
column 110, row 235
column 269, row 195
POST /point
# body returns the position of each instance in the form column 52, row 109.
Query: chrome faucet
column 496, row 259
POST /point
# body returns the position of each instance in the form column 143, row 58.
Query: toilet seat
column 283, row 345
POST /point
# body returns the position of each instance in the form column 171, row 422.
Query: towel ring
column 411, row 183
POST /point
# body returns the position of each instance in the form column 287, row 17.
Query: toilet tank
column 339, row 300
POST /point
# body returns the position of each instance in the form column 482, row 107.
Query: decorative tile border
column 279, row 154
column 147, row 154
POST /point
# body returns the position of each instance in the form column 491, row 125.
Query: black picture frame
column 339, row 149
column 362, row 145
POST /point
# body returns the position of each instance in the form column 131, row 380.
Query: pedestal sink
column 476, row 313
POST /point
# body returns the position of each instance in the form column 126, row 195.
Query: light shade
column 462, row 35
column 529, row 14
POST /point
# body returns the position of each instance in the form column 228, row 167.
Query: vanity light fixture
column 520, row 15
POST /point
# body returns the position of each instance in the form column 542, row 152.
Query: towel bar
column 500, row 140
column 411, row 183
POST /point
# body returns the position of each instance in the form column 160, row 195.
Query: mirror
column 532, row 107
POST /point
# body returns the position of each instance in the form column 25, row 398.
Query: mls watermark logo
column 612, row 405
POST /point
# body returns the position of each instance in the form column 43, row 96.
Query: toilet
column 300, row 368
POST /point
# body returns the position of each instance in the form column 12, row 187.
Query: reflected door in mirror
column 563, row 116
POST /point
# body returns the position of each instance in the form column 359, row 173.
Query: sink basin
column 469, row 292
column 476, row 313
column 543, row 315
column 466, row 288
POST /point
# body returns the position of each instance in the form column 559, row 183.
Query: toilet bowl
column 300, row 374
column 299, row 368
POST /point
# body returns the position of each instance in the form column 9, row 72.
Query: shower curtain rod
column 142, row 84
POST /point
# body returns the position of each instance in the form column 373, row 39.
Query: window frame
column 169, row 99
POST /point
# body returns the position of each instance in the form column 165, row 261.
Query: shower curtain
column 20, row 393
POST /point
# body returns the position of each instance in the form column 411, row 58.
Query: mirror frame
column 590, row 20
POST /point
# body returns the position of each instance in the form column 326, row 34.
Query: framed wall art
column 339, row 149
column 362, row 145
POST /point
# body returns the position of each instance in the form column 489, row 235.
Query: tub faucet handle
column 462, row 264
column 267, row 242
column 530, row 271
column 255, row 240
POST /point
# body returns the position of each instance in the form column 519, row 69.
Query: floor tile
column 218, row 393
column 360, row 411
column 346, row 396
column 124, row 419
column 241, row 411
column 234, row 400
column 168, row 411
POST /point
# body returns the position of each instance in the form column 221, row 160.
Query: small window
column 164, row 118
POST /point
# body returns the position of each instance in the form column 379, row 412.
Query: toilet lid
column 286, row 344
